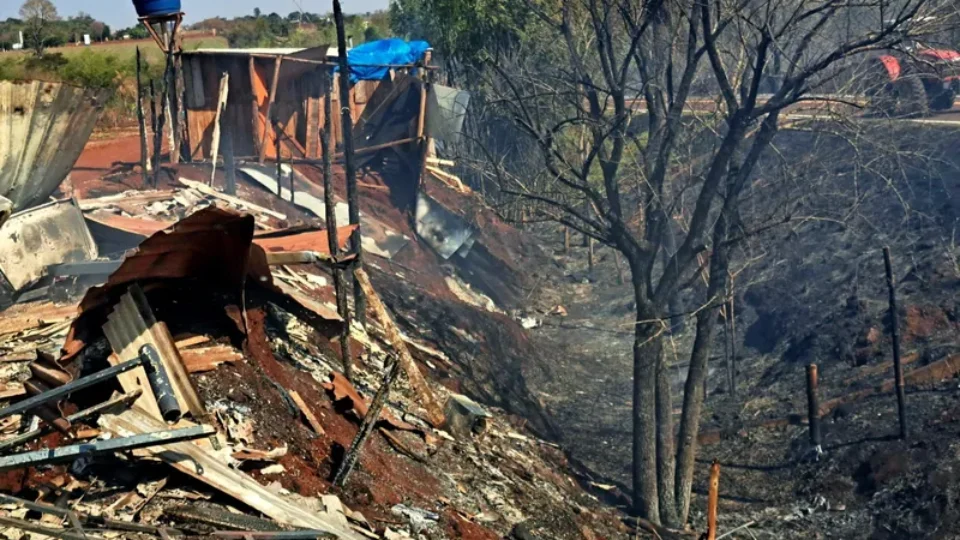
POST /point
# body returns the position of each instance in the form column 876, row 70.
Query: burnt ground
column 817, row 294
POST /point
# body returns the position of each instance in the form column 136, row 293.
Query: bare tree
column 37, row 16
column 622, row 160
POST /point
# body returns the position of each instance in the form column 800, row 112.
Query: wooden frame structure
column 265, row 89
column 165, row 42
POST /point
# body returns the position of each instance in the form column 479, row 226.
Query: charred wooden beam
column 895, row 333
column 333, row 240
column 141, row 123
column 366, row 428
column 360, row 302
column 86, row 519
column 395, row 339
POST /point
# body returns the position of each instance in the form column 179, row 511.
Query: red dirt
column 382, row 479
column 100, row 158
column 458, row 527
column 921, row 322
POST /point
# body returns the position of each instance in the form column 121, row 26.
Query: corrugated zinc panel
column 43, row 128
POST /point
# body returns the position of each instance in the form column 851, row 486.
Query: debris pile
column 199, row 332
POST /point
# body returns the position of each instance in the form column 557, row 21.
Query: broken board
column 193, row 461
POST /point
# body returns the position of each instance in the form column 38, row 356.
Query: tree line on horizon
column 43, row 27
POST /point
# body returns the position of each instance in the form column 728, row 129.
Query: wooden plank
column 307, row 413
column 314, row 111
column 256, row 105
column 205, row 359
column 193, row 461
column 207, row 190
column 12, row 391
column 395, row 339
column 136, row 382
column 277, row 62
column 215, row 142
column 192, row 341
column 132, row 325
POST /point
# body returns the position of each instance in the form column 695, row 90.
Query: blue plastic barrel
column 154, row 8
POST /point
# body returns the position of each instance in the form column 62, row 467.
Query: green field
column 125, row 50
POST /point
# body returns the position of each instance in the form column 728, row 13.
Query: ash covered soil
column 815, row 292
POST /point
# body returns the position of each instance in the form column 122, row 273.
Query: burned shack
column 199, row 329
column 282, row 91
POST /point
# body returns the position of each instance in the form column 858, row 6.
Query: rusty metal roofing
column 43, row 128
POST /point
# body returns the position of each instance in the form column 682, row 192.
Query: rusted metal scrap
column 36, row 239
column 212, row 246
column 43, row 128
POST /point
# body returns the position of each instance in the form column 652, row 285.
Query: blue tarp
column 393, row 51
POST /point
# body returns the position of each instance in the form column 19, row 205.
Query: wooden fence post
column 813, row 407
column 895, row 332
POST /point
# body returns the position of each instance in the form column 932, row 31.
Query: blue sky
column 120, row 13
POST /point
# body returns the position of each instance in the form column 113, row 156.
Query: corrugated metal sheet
column 33, row 240
column 43, row 128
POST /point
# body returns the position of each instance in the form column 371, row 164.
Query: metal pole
column 67, row 389
column 125, row 399
column 68, row 453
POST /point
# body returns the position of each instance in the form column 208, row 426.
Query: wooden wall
column 298, row 105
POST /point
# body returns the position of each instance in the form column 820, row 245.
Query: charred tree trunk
column 666, row 450
column 694, row 391
column 646, row 353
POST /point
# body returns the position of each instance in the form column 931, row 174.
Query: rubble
column 231, row 298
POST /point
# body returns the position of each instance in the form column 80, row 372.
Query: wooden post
column 266, row 114
column 252, row 68
column 360, row 303
column 142, row 124
column 163, row 97
column 276, row 140
column 813, row 407
column 616, row 260
column 895, row 332
column 733, row 329
column 713, row 498
column 566, row 239
column 366, row 427
column 170, row 96
column 217, row 130
column 183, row 150
column 339, row 281
column 154, row 123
